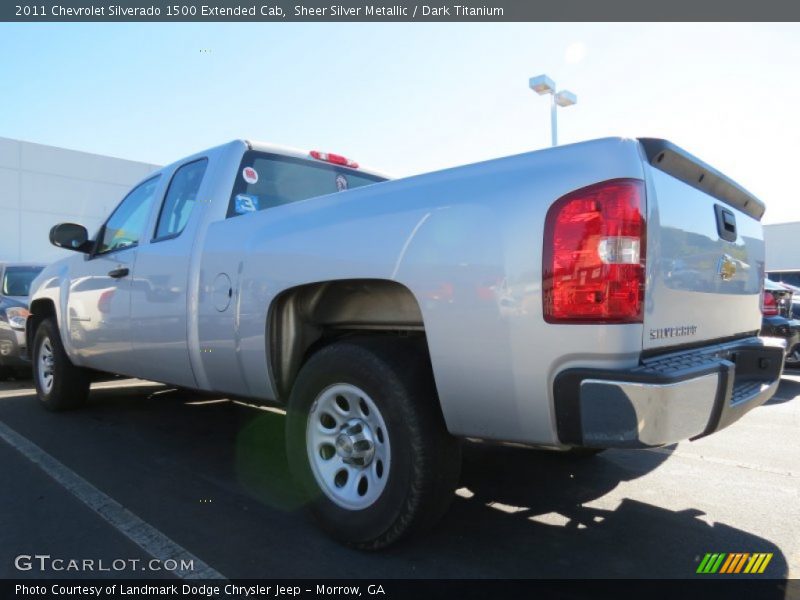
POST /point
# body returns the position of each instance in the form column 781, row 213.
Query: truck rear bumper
column 668, row 398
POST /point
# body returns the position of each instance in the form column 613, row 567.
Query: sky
column 408, row 98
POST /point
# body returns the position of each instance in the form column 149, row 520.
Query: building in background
column 782, row 242
column 44, row 185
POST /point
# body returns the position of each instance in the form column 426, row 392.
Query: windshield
column 17, row 280
column 268, row 180
column 790, row 277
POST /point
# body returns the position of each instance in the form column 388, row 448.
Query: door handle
column 117, row 273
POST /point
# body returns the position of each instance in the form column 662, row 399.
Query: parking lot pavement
column 211, row 476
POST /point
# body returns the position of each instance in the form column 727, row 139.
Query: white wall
column 43, row 185
column 782, row 241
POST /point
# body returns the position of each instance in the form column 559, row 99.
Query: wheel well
column 306, row 318
column 40, row 310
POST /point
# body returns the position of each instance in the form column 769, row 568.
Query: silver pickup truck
column 598, row 295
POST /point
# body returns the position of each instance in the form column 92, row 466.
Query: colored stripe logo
column 734, row 562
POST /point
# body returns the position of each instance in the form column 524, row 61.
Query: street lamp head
column 566, row 98
column 542, row 84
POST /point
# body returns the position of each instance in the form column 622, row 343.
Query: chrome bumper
column 12, row 348
column 668, row 398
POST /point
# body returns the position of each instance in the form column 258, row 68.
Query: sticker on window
column 341, row 182
column 250, row 175
column 245, row 203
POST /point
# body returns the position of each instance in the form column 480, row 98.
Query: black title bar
column 397, row 10
column 701, row 587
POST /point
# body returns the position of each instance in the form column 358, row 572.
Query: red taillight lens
column 594, row 255
column 769, row 306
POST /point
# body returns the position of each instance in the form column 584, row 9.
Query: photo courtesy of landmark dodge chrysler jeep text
column 598, row 295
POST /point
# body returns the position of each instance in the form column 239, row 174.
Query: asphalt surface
column 211, row 475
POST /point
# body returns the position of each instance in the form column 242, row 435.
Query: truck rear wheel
column 60, row 385
column 367, row 442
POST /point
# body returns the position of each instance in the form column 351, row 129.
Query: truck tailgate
column 705, row 252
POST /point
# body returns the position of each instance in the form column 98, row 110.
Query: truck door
column 99, row 299
column 159, row 299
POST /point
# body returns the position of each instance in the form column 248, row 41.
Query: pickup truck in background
column 778, row 319
column 598, row 295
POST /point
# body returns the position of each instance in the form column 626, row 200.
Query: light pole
column 542, row 84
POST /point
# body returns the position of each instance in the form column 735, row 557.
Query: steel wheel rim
column 348, row 446
column 46, row 367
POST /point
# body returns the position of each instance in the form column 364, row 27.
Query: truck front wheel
column 367, row 442
column 60, row 385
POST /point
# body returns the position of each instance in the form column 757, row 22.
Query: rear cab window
column 267, row 180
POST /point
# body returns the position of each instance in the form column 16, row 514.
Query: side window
column 127, row 222
column 180, row 199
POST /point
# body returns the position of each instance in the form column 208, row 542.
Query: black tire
column 70, row 384
column 792, row 360
column 5, row 373
column 425, row 459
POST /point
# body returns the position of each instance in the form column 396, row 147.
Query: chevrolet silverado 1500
column 598, row 295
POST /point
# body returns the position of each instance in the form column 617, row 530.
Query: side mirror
column 70, row 236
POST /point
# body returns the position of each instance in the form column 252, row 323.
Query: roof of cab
column 305, row 155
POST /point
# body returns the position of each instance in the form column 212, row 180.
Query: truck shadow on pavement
column 537, row 505
column 788, row 390
column 519, row 513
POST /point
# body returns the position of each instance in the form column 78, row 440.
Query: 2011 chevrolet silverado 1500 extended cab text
column 597, row 295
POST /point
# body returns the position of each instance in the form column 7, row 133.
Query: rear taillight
column 594, row 255
column 336, row 159
column 769, row 306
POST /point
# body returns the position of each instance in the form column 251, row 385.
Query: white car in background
column 15, row 283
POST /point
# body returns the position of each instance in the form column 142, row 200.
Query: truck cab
column 126, row 304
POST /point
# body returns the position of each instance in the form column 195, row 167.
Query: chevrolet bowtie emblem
column 726, row 267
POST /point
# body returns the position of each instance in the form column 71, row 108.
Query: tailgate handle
column 726, row 223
